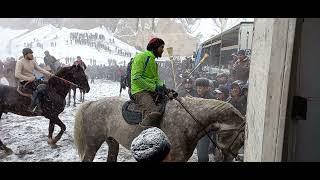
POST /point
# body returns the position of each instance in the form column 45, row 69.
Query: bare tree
column 153, row 25
column 190, row 24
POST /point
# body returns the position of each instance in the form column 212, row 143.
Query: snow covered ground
column 27, row 136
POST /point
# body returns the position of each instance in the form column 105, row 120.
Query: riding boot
column 151, row 120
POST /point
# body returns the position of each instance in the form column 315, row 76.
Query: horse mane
column 62, row 71
column 219, row 106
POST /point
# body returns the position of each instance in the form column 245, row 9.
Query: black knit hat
column 26, row 51
column 223, row 89
column 241, row 51
column 202, row 82
column 154, row 44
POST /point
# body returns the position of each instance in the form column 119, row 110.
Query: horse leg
column 92, row 147
column 113, row 149
column 74, row 97
column 7, row 150
column 58, row 122
column 51, row 129
column 69, row 97
column 82, row 93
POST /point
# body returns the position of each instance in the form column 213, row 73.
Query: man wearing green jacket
column 146, row 84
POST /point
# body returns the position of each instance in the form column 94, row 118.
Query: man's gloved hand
column 160, row 90
column 171, row 93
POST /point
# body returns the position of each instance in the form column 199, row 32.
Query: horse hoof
column 54, row 146
column 50, row 141
column 8, row 151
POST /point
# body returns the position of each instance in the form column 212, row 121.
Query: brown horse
column 52, row 102
column 100, row 121
column 74, row 89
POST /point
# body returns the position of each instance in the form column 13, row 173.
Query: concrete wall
column 268, row 88
column 245, row 33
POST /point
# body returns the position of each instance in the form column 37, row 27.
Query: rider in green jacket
column 145, row 82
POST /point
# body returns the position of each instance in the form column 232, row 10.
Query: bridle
column 64, row 80
column 67, row 82
column 240, row 129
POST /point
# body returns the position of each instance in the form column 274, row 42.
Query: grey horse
column 101, row 121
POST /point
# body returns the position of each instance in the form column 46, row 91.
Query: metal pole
column 220, row 51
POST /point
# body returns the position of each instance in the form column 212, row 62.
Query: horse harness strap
column 194, row 118
column 204, row 129
column 66, row 81
column 21, row 93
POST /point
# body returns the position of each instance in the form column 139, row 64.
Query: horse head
column 76, row 75
column 231, row 133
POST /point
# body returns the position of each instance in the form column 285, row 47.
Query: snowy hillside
column 5, row 35
column 100, row 47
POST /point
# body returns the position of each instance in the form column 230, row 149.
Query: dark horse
column 8, row 72
column 52, row 102
column 74, row 89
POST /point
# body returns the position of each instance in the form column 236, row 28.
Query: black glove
column 171, row 93
column 160, row 90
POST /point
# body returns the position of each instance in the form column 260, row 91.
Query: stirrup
column 144, row 126
column 34, row 109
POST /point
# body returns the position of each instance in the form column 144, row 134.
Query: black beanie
column 26, row 51
column 241, row 51
column 202, row 82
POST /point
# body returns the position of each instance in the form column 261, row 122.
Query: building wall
column 245, row 36
column 268, row 88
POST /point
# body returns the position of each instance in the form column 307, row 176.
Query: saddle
column 133, row 115
column 24, row 91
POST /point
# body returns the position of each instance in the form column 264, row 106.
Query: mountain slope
column 58, row 42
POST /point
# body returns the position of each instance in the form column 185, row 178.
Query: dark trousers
column 145, row 101
column 203, row 147
column 36, row 88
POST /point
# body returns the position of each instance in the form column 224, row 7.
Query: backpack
column 126, row 79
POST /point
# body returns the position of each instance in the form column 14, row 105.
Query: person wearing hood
column 242, row 66
column 236, row 98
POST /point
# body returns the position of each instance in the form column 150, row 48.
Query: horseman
column 146, row 86
column 24, row 72
column 80, row 62
column 50, row 61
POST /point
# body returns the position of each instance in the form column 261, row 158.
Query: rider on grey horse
column 24, row 72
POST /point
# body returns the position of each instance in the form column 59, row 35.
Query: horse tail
column 79, row 134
